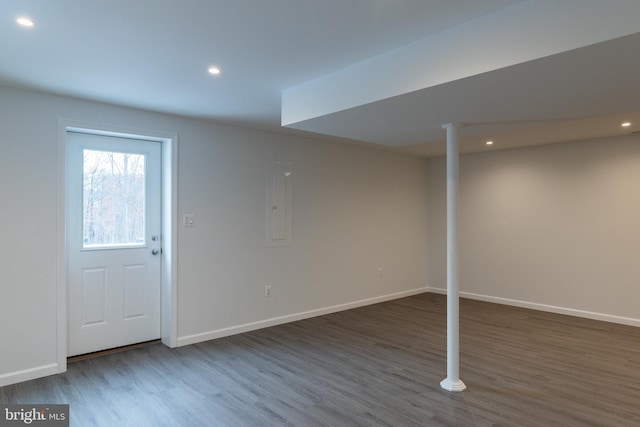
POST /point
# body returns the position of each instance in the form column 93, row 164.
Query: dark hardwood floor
column 379, row 365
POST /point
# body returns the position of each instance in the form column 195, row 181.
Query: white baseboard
column 28, row 374
column 545, row 307
column 233, row 330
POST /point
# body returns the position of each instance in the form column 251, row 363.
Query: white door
column 114, row 249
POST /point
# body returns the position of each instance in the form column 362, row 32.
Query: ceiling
column 154, row 54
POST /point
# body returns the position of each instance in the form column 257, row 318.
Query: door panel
column 134, row 291
column 113, row 263
column 94, row 296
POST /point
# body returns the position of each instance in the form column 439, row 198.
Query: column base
column 449, row 385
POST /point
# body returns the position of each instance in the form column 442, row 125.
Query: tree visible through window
column 113, row 199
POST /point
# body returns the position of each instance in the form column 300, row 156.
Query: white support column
column 452, row 382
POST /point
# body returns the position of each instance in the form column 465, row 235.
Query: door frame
column 169, row 214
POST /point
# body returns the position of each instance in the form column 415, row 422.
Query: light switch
column 188, row 220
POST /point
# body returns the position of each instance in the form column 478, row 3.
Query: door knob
column 155, row 252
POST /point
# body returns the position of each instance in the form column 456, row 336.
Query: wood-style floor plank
column 379, row 365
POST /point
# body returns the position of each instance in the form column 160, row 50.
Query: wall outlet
column 267, row 291
column 379, row 271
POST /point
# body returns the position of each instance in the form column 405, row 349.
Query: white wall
column 461, row 52
column 554, row 227
column 355, row 210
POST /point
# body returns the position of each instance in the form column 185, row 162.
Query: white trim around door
column 169, row 141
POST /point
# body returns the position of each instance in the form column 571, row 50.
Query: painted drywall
column 461, row 52
column 551, row 227
column 354, row 210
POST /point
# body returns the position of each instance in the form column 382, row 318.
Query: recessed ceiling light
column 24, row 21
column 626, row 124
column 214, row 70
column 489, row 142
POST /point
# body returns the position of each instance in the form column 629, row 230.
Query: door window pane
column 113, row 199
